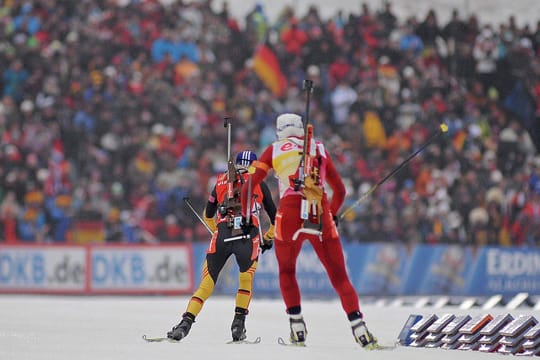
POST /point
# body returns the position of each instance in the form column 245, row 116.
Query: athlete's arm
column 211, row 205
column 268, row 202
column 338, row 188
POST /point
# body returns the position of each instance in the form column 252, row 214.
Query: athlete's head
column 289, row 124
column 245, row 158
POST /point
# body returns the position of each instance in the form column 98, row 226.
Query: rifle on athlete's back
column 231, row 206
column 308, row 172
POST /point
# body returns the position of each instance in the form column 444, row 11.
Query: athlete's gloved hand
column 269, row 234
column 268, row 239
column 246, row 227
column 336, row 220
column 267, row 245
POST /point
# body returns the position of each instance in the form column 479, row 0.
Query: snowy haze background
column 67, row 328
column 488, row 11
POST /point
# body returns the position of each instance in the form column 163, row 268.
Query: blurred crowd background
column 111, row 114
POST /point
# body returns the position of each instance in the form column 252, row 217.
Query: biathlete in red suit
column 283, row 156
column 230, row 238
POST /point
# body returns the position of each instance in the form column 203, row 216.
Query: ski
column 290, row 343
column 162, row 339
column 376, row 346
column 251, row 342
column 371, row 347
column 159, row 339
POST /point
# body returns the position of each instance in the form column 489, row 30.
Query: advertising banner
column 505, row 271
column 440, row 269
column 42, row 269
column 101, row 269
column 377, row 268
column 140, row 269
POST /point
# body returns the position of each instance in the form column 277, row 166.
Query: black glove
column 246, row 227
column 267, row 245
column 336, row 220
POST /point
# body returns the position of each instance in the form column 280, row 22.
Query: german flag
column 267, row 68
column 459, row 139
column 88, row 232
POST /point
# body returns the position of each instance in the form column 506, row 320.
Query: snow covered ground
column 67, row 328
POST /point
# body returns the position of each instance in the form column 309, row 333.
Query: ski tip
column 377, row 346
column 158, row 339
column 290, row 343
column 149, row 339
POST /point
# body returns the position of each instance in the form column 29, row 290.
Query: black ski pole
column 442, row 129
column 188, row 203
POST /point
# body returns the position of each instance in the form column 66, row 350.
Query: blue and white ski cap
column 245, row 158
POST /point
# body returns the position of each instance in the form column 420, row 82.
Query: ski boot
column 238, row 328
column 298, row 329
column 181, row 330
column 362, row 335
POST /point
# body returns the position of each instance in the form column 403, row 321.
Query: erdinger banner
column 505, row 271
column 102, row 269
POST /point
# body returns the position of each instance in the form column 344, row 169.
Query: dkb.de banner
column 96, row 269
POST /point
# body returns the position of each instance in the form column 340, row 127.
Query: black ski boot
column 181, row 330
column 238, row 328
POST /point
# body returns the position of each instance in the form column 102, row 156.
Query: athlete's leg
column 287, row 223
column 287, row 251
column 215, row 260
column 246, row 252
column 330, row 252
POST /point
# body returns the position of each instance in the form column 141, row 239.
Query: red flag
column 267, row 68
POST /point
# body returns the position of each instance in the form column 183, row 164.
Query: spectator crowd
column 112, row 112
